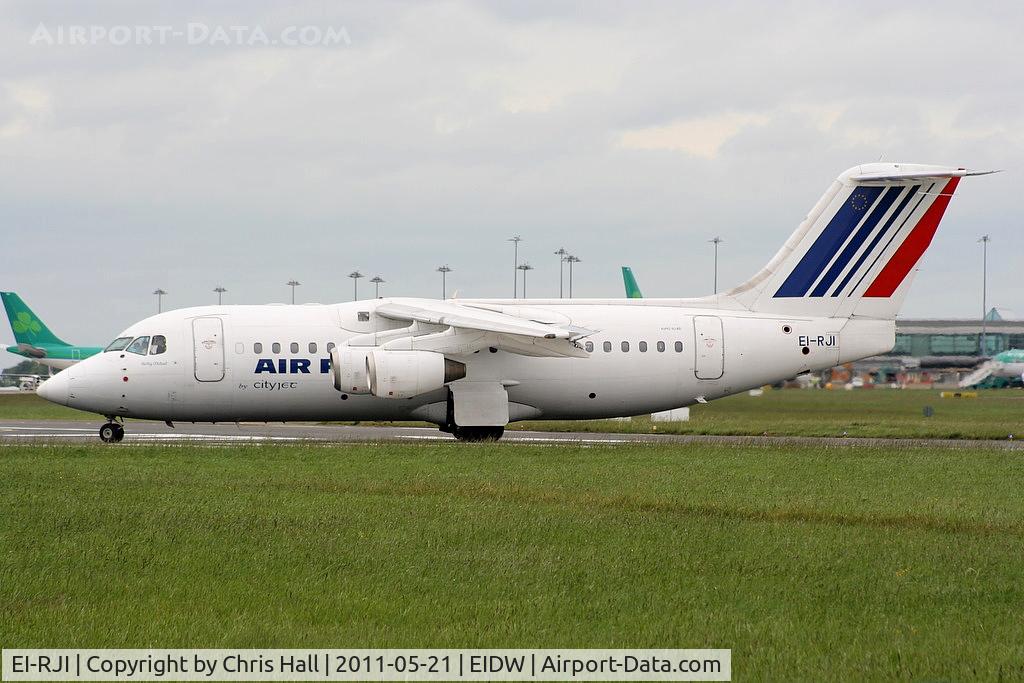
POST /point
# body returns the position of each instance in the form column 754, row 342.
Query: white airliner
column 829, row 296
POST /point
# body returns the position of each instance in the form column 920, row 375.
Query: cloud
column 702, row 137
column 628, row 133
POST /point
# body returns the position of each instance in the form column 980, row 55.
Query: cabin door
column 708, row 347
column 208, row 342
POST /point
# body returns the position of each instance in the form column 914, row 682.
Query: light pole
column 716, row 240
column 220, row 291
column 293, row 284
column 570, row 259
column 985, row 239
column 355, row 275
column 159, row 300
column 515, row 239
column 525, row 267
column 444, row 270
column 376, row 280
column 561, row 254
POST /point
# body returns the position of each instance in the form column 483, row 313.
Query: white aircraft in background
column 829, row 296
column 25, row 382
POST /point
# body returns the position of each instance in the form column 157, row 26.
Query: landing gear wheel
column 478, row 433
column 111, row 433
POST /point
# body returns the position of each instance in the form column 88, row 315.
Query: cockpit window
column 159, row 345
column 139, row 346
column 118, row 344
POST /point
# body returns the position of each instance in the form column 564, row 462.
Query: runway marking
column 24, row 431
column 165, row 437
column 524, row 439
column 63, row 429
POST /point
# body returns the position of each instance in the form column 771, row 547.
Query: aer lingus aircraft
column 34, row 339
column 829, row 296
column 1008, row 365
column 629, row 282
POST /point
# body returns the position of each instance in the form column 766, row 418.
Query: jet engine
column 404, row 374
column 348, row 367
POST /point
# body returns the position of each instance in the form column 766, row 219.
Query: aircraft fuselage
column 272, row 362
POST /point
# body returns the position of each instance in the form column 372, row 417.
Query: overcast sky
column 629, row 133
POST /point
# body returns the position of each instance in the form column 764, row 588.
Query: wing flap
column 455, row 315
column 470, row 329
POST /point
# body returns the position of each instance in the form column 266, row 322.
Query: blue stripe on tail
column 877, row 238
column 828, row 243
column 888, row 197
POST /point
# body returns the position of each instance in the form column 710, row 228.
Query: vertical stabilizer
column 26, row 325
column 855, row 253
column 632, row 288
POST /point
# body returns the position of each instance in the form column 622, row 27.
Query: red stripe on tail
column 908, row 254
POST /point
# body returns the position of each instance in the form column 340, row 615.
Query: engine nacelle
column 404, row 374
column 348, row 367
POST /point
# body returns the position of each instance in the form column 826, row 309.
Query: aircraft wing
column 469, row 329
column 468, row 317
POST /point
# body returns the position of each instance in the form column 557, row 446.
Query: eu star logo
column 859, row 201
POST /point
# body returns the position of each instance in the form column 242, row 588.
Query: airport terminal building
column 940, row 351
column 945, row 343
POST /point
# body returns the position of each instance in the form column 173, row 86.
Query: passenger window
column 679, row 347
column 312, row 347
column 294, row 347
column 119, row 344
column 607, row 347
column 275, row 347
column 257, row 348
column 661, row 347
column 139, row 346
column 643, row 347
column 363, row 316
column 589, row 346
column 159, row 345
column 330, row 346
column 625, row 346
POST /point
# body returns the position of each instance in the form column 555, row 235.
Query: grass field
column 810, row 563
column 995, row 414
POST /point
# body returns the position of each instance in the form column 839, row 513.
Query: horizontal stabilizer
column 32, row 351
column 932, row 174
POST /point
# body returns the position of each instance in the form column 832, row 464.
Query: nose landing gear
column 111, row 432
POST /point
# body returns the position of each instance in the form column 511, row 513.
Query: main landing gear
column 477, row 433
column 474, row 433
column 111, row 432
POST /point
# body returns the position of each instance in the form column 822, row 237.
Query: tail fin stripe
column 828, row 243
column 908, row 253
column 878, row 238
column 877, row 212
column 881, row 252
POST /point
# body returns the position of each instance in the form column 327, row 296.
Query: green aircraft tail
column 26, row 325
column 632, row 288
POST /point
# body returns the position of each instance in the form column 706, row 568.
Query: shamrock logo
column 25, row 323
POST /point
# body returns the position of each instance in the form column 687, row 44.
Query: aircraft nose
column 55, row 389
